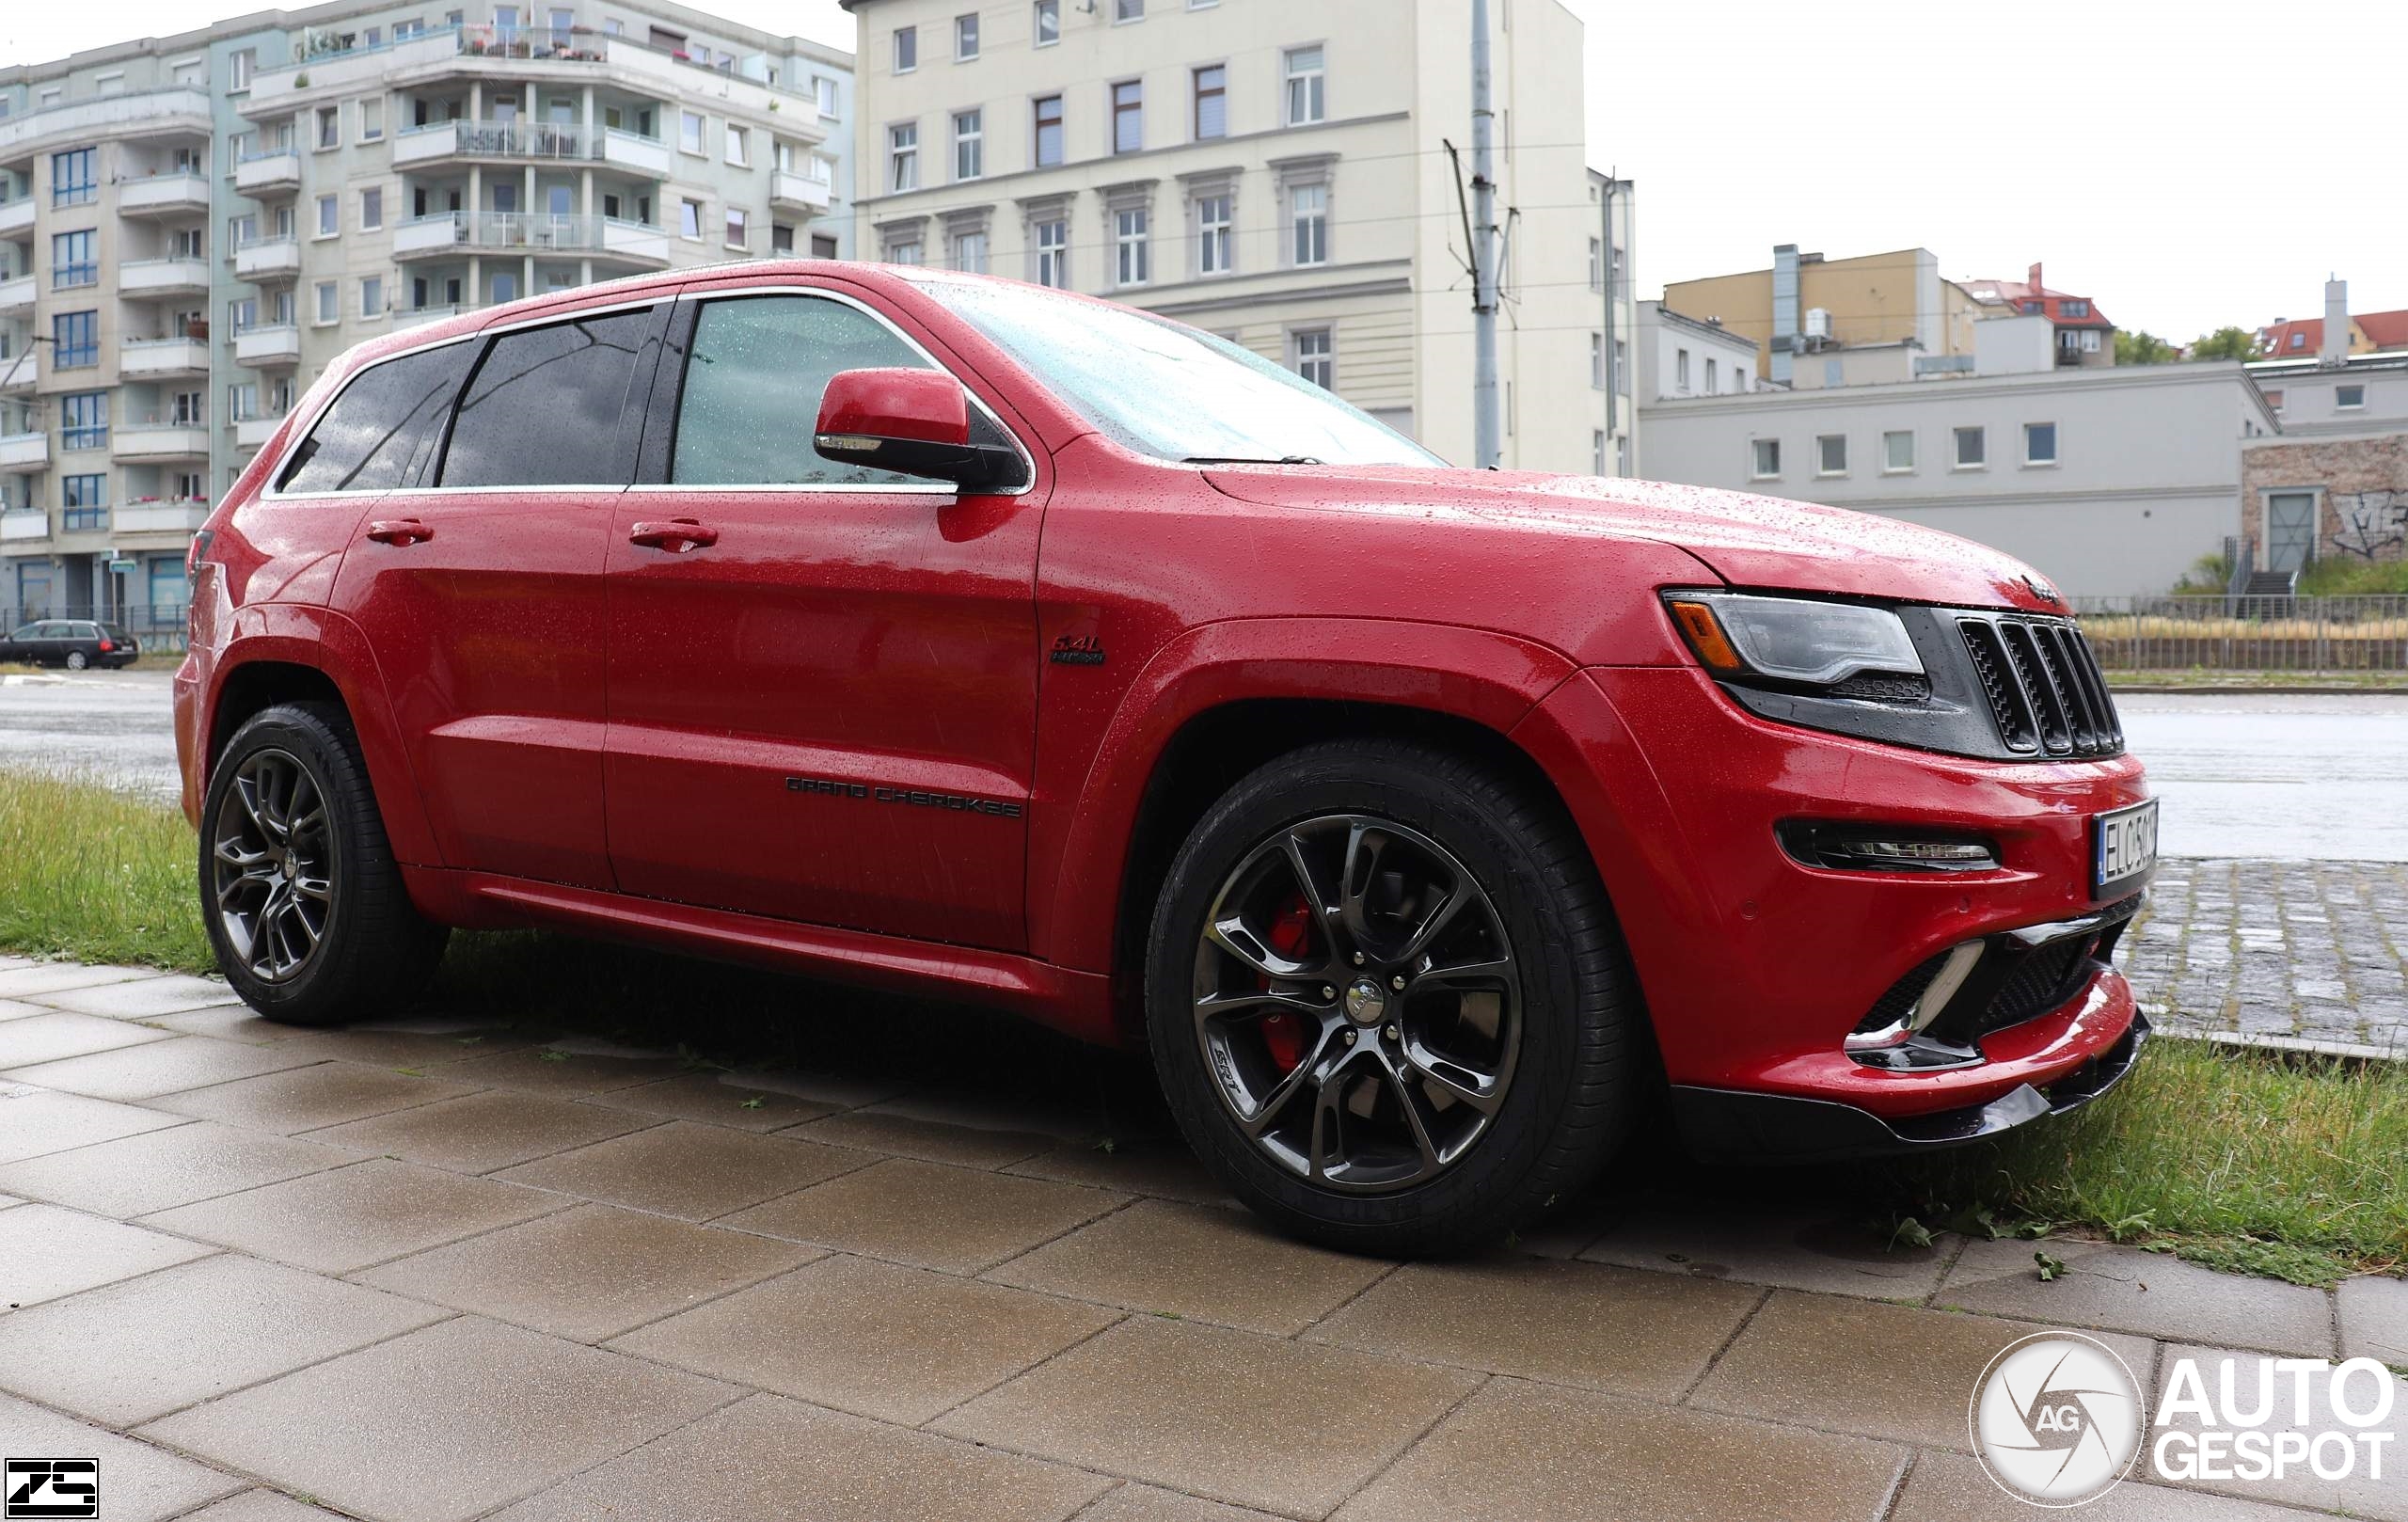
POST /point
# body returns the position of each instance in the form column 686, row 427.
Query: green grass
column 92, row 875
column 2346, row 576
column 2239, row 1160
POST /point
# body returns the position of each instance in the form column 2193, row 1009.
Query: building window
column 1596, row 451
column 970, row 253
column 329, row 216
column 1049, row 22
column 1212, row 234
column 822, row 246
column 1053, row 254
column 906, row 48
column 1972, row 450
column 1305, row 82
column 781, row 238
column 86, row 501
column 1049, row 130
column 903, row 157
column 2039, row 443
column 1681, row 369
column 371, row 120
column 329, row 127
column 71, row 262
column 1597, row 363
column 2074, row 309
column 73, row 181
column 1597, row 267
column 823, row 91
column 328, row 311
column 1898, row 450
column 83, row 420
column 690, row 131
column 1831, row 454
column 739, row 149
column 905, row 252
column 740, row 229
column 968, row 144
column 371, row 209
column 1127, row 116
column 2349, row 398
column 690, row 220
column 2299, row 340
column 1710, row 377
column 1764, row 458
column 965, row 37
column 1309, row 206
column 2274, row 401
column 239, row 67
column 1128, row 10
column 1212, row 102
column 371, row 296
column 1130, row 232
column 74, row 339
column 1316, row 356
column 2090, row 341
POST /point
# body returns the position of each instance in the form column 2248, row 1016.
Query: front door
column 2291, row 529
column 483, row 597
column 823, row 680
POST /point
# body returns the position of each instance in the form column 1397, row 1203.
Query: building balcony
column 180, row 515
column 181, row 111
column 419, row 316
column 163, row 359
column 25, row 527
column 17, row 218
column 254, row 433
column 17, row 376
column 268, row 261
column 647, row 157
column 791, row 192
column 277, row 347
column 21, row 453
column 147, row 278
column 517, row 142
column 137, row 443
column 164, row 194
column 275, row 172
column 17, row 296
column 449, row 234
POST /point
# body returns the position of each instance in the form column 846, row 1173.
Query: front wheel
column 303, row 902
column 1388, row 1001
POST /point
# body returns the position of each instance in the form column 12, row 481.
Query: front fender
column 1078, row 844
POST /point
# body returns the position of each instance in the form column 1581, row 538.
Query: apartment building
column 193, row 227
column 1275, row 173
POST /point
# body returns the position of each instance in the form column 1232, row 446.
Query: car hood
column 1748, row 540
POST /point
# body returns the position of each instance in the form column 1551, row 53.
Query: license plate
column 2123, row 848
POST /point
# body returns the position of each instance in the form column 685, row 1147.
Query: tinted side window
column 383, row 430
column 549, row 406
column 759, row 367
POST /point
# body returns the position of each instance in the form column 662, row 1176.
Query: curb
column 2398, row 691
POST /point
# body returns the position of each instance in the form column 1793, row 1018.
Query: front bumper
column 1720, row 1125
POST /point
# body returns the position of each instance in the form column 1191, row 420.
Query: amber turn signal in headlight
column 1706, row 636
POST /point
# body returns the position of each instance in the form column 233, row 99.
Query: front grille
column 1891, row 1006
column 2042, row 980
column 2043, row 684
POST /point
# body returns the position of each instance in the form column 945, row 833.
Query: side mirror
column 913, row 422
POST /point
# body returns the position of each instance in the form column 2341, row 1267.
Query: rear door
column 481, row 592
column 823, row 696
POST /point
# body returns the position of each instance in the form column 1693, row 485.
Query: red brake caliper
column 1283, row 1034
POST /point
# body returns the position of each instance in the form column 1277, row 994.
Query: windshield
column 1171, row 392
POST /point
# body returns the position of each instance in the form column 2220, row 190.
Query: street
column 2264, row 777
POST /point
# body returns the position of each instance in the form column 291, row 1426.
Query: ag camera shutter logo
column 2056, row 1419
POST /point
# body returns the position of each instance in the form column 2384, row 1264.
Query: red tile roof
column 2017, row 293
column 2306, row 334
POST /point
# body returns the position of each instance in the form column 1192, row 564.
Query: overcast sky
column 2186, row 164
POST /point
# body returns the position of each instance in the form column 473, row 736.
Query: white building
column 1682, row 356
column 2110, row 481
column 193, row 227
column 1278, row 174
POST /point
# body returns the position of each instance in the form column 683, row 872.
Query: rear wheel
column 1387, row 999
column 299, row 891
column 77, row 660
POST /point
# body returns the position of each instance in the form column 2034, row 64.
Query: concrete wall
column 2361, row 485
column 2014, row 345
column 2310, row 401
column 1665, row 340
column 2146, row 477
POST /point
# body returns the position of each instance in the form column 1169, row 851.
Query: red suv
column 955, row 635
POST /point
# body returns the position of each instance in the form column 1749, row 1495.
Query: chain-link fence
column 2243, row 633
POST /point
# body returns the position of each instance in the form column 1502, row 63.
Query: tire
column 353, row 947
column 1549, row 1067
column 77, row 660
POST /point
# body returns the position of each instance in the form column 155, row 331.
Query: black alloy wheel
column 274, row 863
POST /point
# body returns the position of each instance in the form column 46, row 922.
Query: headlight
column 1792, row 639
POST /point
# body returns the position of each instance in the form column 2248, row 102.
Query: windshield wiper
column 1248, row 459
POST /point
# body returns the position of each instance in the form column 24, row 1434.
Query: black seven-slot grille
column 2043, row 685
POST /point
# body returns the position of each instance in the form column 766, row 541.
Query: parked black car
column 71, row 642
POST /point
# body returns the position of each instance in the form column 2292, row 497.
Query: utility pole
column 1486, row 440
column 1605, row 340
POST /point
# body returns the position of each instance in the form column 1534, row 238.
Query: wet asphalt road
column 2299, row 778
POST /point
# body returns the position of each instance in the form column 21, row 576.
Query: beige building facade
column 1892, row 298
column 1274, row 173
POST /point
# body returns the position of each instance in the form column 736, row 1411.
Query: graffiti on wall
column 2371, row 522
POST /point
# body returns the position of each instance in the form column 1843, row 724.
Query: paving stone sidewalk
column 2312, row 952
column 422, row 1272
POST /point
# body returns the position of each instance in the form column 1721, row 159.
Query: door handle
column 399, row 531
column 676, row 537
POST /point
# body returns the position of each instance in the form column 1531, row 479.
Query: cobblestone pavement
column 2312, row 951
column 417, row 1272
